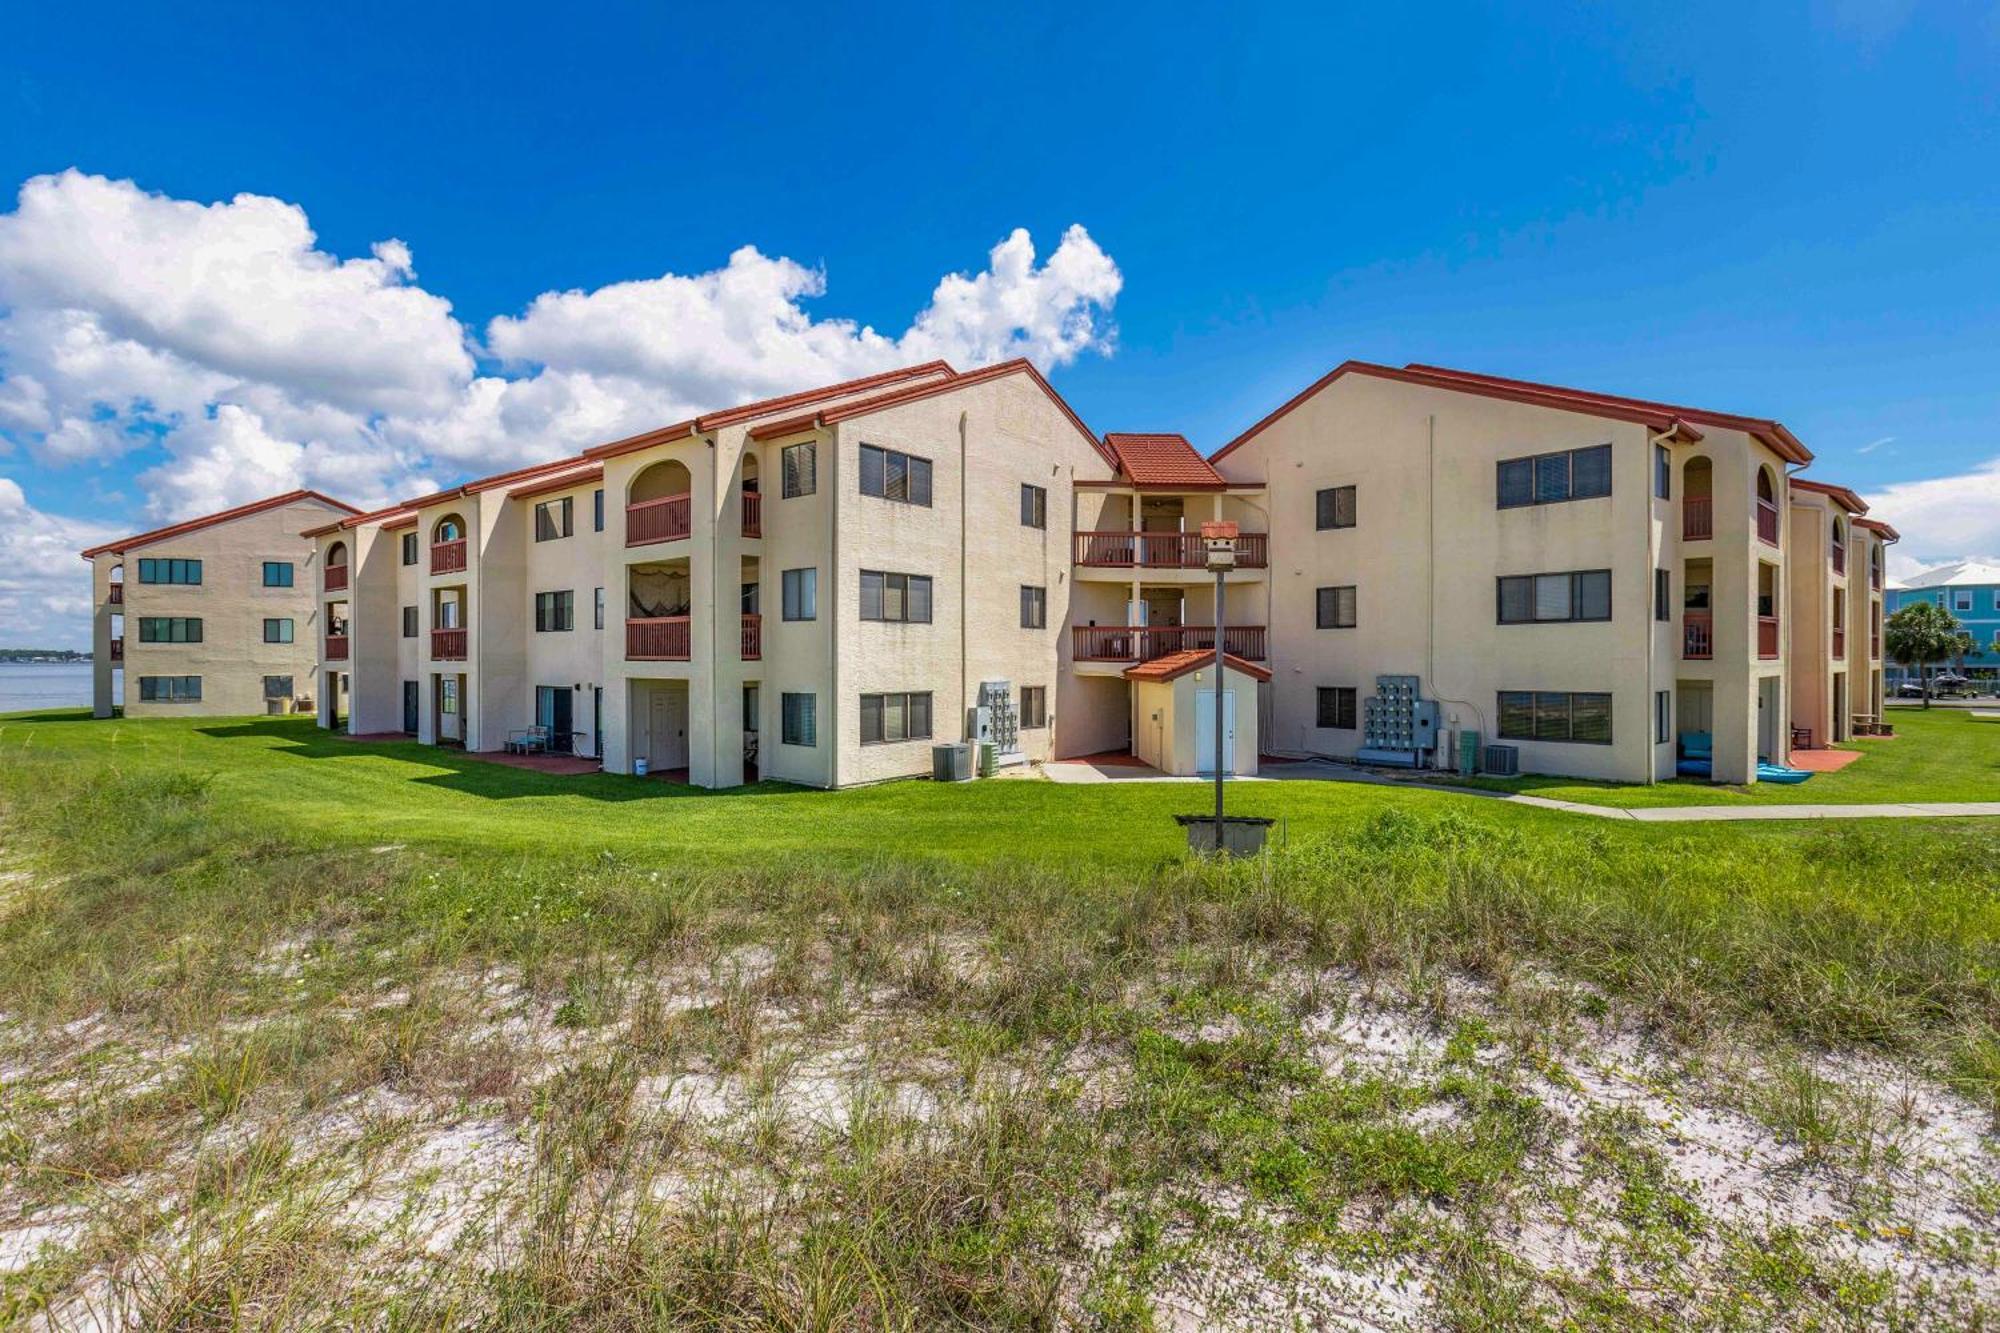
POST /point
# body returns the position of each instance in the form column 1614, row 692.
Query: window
column 1532, row 599
column 597, row 610
column 891, row 475
column 448, row 695
column 597, row 510
column 1663, row 717
column 170, row 689
column 1034, row 707
column 169, row 571
column 798, row 725
column 800, row 594
column 900, row 597
column 277, row 630
column 1961, row 599
column 554, row 611
column 1336, row 707
column 409, row 622
column 797, row 463
column 1663, row 594
column 277, row 687
column 1034, row 506
column 409, row 548
column 552, row 519
column 1540, row 715
column 1573, row 474
column 1663, row 472
column 1336, row 607
column 277, row 573
column 886, row 718
column 1034, row 607
column 1334, row 508
column 169, row 629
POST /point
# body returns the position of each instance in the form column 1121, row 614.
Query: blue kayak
column 1698, row 767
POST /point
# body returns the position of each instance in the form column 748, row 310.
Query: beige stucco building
column 1835, row 560
column 214, row 616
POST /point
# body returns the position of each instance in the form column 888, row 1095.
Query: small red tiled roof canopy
column 1192, row 659
column 1163, row 460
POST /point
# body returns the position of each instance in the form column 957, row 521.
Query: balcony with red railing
column 1839, row 641
column 336, row 647
column 753, row 514
column 753, row 636
column 1143, row 643
column 1875, row 577
column 118, row 650
column 669, row 518
column 116, row 595
column 1162, row 550
column 1875, row 646
column 1767, row 522
column 448, row 645
column 1697, row 634
column 1839, row 558
column 336, row 578
column 1767, row 637
column 448, row 557
column 658, row 639
column 1697, row 518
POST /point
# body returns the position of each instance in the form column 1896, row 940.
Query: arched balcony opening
column 1767, row 507
column 753, row 499
column 1697, row 499
column 335, row 575
column 1839, row 551
column 448, row 545
column 658, row 504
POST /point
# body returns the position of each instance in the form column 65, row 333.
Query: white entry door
column 1204, row 729
column 666, row 739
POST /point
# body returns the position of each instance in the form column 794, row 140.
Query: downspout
column 715, row 605
column 1430, row 577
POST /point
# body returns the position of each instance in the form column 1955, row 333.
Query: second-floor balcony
column 336, row 647
column 1143, row 643
column 658, row 639
column 753, row 514
column 1767, row 522
column 1839, row 641
column 1698, row 635
column 1697, row 518
column 1839, row 558
column 669, row 518
column 448, row 557
column 1875, row 646
column 336, row 578
column 1161, row 550
column 118, row 650
column 753, row 636
column 115, row 595
column 1767, row 637
column 448, row 645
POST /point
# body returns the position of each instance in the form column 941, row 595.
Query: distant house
column 1970, row 590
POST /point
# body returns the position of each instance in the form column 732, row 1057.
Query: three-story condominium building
column 816, row 587
column 212, row 616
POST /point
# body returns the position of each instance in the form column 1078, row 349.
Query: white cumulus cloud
column 1942, row 519
column 44, row 586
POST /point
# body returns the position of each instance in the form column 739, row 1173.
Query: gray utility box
column 1241, row 835
column 951, row 763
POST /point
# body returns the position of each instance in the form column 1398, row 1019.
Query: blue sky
column 1783, row 210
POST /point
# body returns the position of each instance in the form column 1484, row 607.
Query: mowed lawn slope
column 1940, row 754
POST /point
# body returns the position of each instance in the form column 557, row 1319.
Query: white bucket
column 639, row 767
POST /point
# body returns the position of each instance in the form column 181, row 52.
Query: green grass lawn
column 1943, row 754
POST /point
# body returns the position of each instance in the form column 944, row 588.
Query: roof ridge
column 124, row 544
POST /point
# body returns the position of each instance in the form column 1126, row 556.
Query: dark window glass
column 799, row 464
column 891, row 475
column 1590, row 472
column 1334, row 508
column 597, row 510
column 1517, row 715
column 1517, row 482
column 409, row 622
column 1336, row 607
column 554, row 611
column 1662, row 594
column 277, row 630
column 1663, row 717
column 597, row 611
column 1545, row 715
column 1034, row 506
column 895, row 597
column 160, row 569
column 1663, row 472
column 552, row 519
column 798, row 724
column 1551, row 478
column 1517, row 599
column 1034, row 707
column 1593, row 594
column 1336, row 707
column 1526, row 599
column 277, row 687
column 409, row 548
column 1034, row 607
column 277, row 573
column 1573, row 474
column 887, row 718
column 800, row 594
column 170, row 689
column 169, row 629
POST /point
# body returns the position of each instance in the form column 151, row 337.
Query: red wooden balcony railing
column 1697, row 517
column 118, row 650
column 666, row 519
column 1143, row 643
column 657, row 639
column 116, row 595
column 1875, row 646
column 448, row 557
column 1840, row 557
column 1767, row 522
column 1839, row 641
column 753, row 514
column 336, row 577
column 1875, row 577
column 336, row 647
column 1162, row 550
column 753, row 636
column 1767, row 636
column 1697, row 634
column 448, row 645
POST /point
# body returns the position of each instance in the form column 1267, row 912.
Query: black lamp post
column 1219, row 541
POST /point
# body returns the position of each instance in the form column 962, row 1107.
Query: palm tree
column 1921, row 635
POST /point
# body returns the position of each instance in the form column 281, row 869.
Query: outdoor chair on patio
column 528, row 740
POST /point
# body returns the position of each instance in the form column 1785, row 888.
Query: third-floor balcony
column 669, row 518
column 1767, row 637
column 1697, row 518
column 753, row 636
column 753, row 514
column 1767, row 522
column 1162, row 550
column 1143, row 643
column 336, row 578
column 116, row 595
column 1839, row 641
column 1839, row 558
column 658, row 639
column 448, row 557
column 118, row 650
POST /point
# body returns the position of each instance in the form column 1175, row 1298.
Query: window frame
column 1663, row 473
column 1534, row 463
column 1321, row 618
column 1034, row 606
column 189, row 626
column 902, row 705
column 289, row 631
column 170, row 566
column 904, row 587
column 287, row 693
column 559, row 606
column 412, row 547
column 291, row 574
column 806, row 734
column 1663, row 596
column 412, row 626
column 597, row 510
column 794, row 484
column 1037, row 717
column 178, row 691
column 1542, row 706
column 1576, row 579
column 805, row 605
column 1326, row 508
column 597, row 609
column 1346, row 702
column 912, row 467
column 563, row 507
column 1034, row 506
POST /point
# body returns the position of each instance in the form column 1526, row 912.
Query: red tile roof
column 1192, row 659
column 1163, row 460
column 1661, row 417
column 580, row 477
column 1840, row 495
column 125, row 544
column 1879, row 528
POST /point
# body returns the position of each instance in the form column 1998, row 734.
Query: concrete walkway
column 1082, row 772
